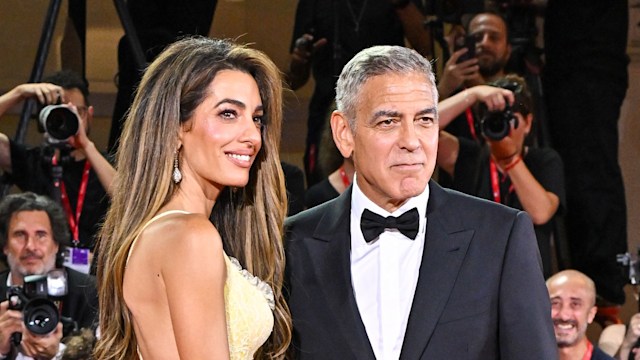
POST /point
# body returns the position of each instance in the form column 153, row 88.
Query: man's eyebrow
column 395, row 114
column 430, row 110
column 386, row 113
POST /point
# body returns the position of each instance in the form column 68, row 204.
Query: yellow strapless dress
column 248, row 303
column 249, row 308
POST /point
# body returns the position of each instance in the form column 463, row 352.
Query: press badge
column 77, row 259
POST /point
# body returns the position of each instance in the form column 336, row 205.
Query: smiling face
column 395, row 140
column 30, row 248
column 572, row 307
column 222, row 139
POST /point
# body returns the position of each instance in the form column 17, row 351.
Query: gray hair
column 375, row 61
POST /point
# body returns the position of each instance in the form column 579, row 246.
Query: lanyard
column 589, row 352
column 471, row 123
column 495, row 184
column 495, row 181
column 344, row 177
column 74, row 221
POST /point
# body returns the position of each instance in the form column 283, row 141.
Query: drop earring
column 177, row 175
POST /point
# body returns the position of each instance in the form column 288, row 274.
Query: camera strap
column 495, row 182
column 471, row 123
column 74, row 219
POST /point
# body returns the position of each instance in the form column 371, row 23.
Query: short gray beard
column 14, row 266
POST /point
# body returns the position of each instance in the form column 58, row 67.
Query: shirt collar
column 359, row 202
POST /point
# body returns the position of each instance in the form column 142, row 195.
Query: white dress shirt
column 384, row 273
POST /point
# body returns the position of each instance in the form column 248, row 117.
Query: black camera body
column 35, row 299
column 496, row 125
column 58, row 122
column 469, row 42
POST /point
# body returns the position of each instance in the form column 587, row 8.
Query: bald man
column 573, row 299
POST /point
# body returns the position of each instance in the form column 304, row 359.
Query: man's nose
column 408, row 136
column 30, row 244
column 482, row 39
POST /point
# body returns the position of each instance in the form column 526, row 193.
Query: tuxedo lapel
column 330, row 254
column 446, row 245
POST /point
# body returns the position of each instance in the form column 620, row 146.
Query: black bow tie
column 372, row 224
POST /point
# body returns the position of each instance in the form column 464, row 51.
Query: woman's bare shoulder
column 189, row 235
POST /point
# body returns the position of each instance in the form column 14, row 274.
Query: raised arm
column 413, row 27
column 45, row 93
column 494, row 98
column 104, row 170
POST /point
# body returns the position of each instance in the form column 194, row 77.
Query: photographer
column 505, row 170
column 326, row 35
column 86, row 174
column 32, row 230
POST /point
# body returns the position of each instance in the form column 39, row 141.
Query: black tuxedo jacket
column 81, row 302
column 480, row 292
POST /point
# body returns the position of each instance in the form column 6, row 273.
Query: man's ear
column 342, row 134
column 592, row 314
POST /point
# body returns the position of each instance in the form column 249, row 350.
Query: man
column 32, row 230
column 326, row 35
column 573, row 307
column 83, row 166
column 450, row 277
column 506, row 171
column 492, row 54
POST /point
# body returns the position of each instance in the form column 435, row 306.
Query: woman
column 203, row 130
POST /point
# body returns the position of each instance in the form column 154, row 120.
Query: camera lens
column 495, row 126
column 41, row 316
column 59, row 121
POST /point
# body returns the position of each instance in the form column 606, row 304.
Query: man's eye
column 426, row 120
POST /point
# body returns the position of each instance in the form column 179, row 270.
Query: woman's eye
column 228, row 114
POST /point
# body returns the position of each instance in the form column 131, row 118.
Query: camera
column 469, row 42
column 305, row 43
column 59, row 122
column 36, row 301
column 496, row 125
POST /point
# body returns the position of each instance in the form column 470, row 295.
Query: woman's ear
column 342, row 133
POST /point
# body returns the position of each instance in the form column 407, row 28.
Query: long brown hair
column 249, row 220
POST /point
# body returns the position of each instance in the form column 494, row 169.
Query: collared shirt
column 385, row 273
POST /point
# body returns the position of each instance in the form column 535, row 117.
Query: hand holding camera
column 306, row 45
column 45, row 93
column 42, row 346
column 461, row 68
column 32, row 313
column 10, row 323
